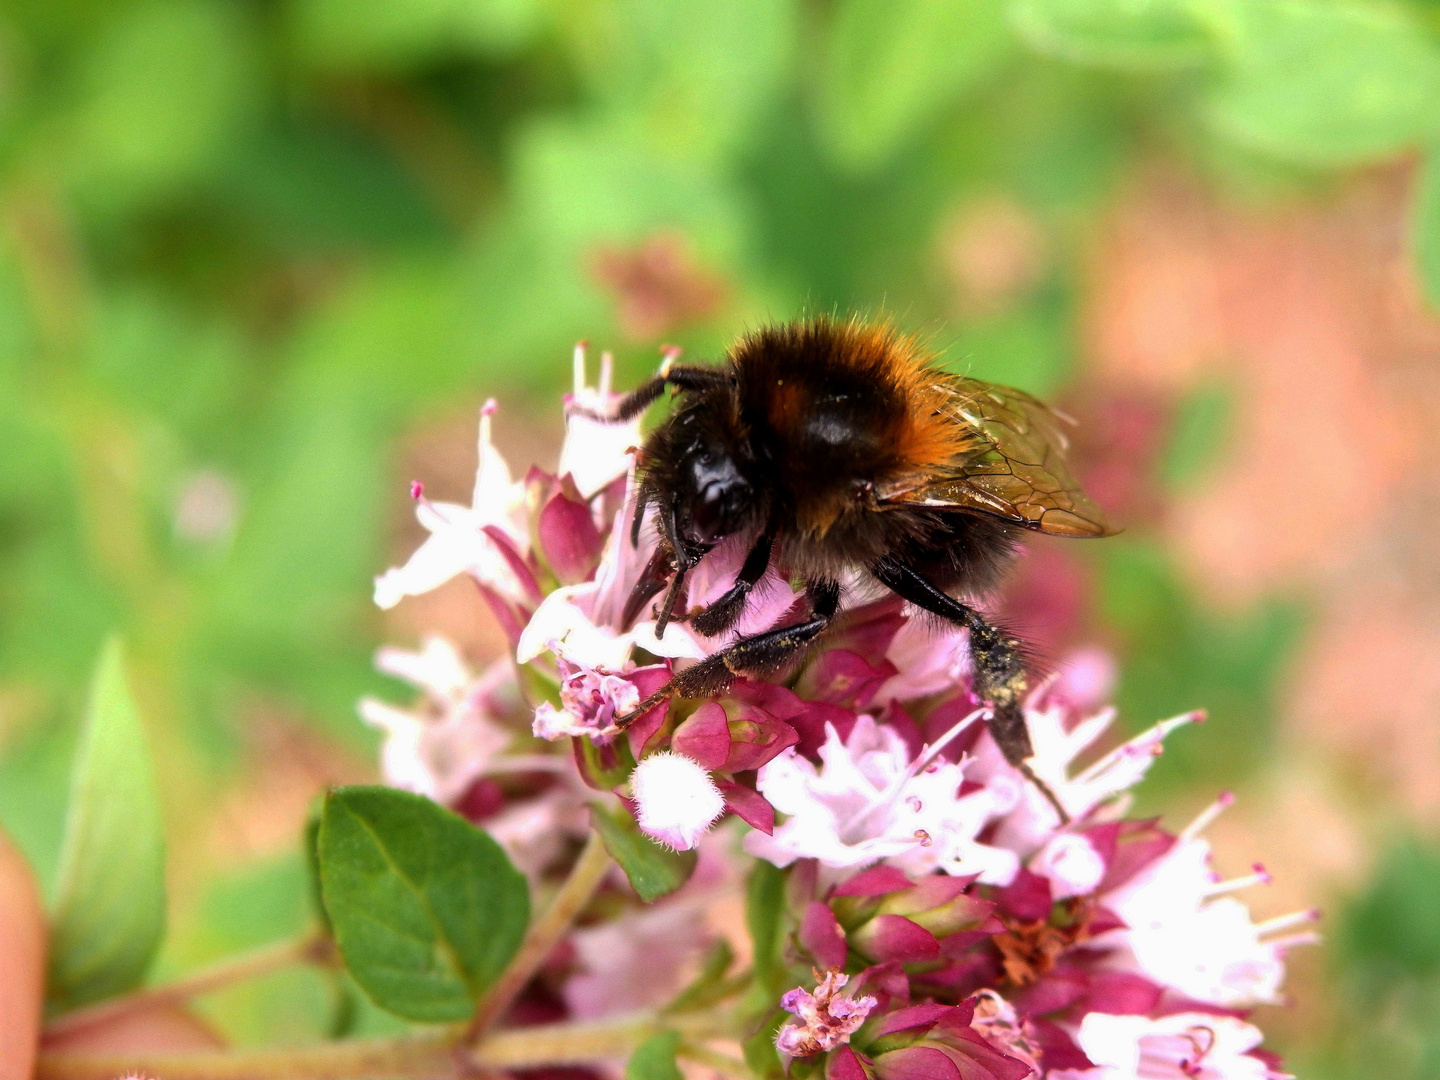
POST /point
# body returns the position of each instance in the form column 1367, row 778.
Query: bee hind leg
column 997, row 661
column 758, row 654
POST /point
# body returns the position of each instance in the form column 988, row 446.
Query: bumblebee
column 843, row 453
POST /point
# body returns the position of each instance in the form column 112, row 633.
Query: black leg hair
column 758, row 654
column 996, row 658
column 683, row 377
column 723, row 613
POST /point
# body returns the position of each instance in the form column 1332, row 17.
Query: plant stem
column 415, row 1057
column 359, row 1059
column 310, row 949
column 544, row 934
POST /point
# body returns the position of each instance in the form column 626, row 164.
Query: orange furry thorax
column 848, row 406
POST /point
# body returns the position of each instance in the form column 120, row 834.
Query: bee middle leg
column 758, row 654
column 996, row 659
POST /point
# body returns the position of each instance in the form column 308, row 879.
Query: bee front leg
column 997, row 662
column 684, row 377
column 726, row 611
column 758, row 654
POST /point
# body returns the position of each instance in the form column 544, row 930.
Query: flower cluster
column 938, row 918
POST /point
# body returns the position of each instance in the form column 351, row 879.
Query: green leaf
column 1426, row 241
column 654, row 1059
column 709, row 984
column 653, row 869
column 110, row 901
column 310, row 846
column 890, row 65
column 1198, row 435
column 764, row 918
column 1127, row 35
column 693, row 76
column 759, row 1048
column 427, row 909
column 1325, row 83
column 165, row 87
column 1390, row 931
column 396, row 33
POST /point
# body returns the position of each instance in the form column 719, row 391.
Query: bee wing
column 1012, row 466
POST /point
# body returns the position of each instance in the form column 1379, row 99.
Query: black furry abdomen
column 963, row 554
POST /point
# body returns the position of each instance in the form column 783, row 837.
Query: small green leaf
column 310, row 845
column 1322, row 83
column 764, row 918
column 395, row 34
column 709, row 984
column 759, row 1048
column 1198, row 435
column 1389, row 931
column 654, row 1059
column 110, row 901
column 889, row 65
column 1426, row 237
column 1126, row 35
column 653, row 869
column 427, row 909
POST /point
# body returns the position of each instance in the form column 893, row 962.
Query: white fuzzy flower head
column 677, row 800
column 870, row 801
column 1184, row 1046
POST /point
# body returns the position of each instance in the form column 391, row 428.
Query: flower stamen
column 1206, row 817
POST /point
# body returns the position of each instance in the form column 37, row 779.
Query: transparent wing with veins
column 1012, row 465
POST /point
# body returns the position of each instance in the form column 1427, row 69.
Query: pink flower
column 996, row 1021
column 824, row 1019
column 590, row 700
column 870, row 801
column 595, row 454
column 929, row 659
column 677, row 800
column 636, row 961
column 1057, row 745
column 1086, row 677
column 1072, row 865
column 467, row 539
column 1184, row 930
column 535, row 832
column 770, row 599
column 441, row 748
column 642, row 957
column 1183, row 1046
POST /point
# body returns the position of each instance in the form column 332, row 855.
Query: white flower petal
column 1071, row 864
column 863, row 805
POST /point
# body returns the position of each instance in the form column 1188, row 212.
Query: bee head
column 719, row 496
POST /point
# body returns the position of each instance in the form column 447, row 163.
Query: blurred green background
column 261, row 259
